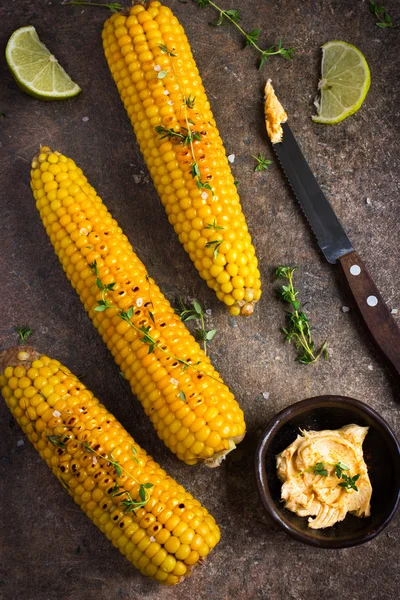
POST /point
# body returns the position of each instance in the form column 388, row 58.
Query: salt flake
column 170, row 102
column 139, row 302
column 174, row 381
column 166, row 93
column 157, row 68
column 231, row 158
column 152, row 538
column 345, row 309
column 85, row 119
column 204, row 195
column 394, row 311
column 94, row 460
column 20, row 443
column 265, row 395
column 56, row 413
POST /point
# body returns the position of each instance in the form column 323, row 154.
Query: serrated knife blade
column 330, row 234
column 336, row 246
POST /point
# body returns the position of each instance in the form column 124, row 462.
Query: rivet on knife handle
column 372, row 307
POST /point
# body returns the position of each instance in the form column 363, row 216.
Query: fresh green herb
column 24, row 333
column 196, row 313
column 214, row 244
column 163, row 132
column 113, row 6
column 384, row 19
column 232, row 15
column 214, row 226
column 184, row 136
column 122, row 375
column 236, row 182
column 349, row 483
column 2, row 114
column 251, row 39
column 319, row 469
column 56, row 441
column 339, row 468
column 182, row 395
column 164, row 48
column 298, row 330
column 189, row 101
column 162, row 74
column 262, row 162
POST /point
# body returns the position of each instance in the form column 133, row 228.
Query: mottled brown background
column 41, row 529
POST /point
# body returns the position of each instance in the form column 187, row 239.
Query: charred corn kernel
column 153, row 67
column 174, row 396
column 108, row 453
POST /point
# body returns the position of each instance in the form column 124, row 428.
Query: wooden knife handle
column 372, row 307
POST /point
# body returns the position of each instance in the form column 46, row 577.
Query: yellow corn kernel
column 92, row 474
column 162, row 91
column 160, row 379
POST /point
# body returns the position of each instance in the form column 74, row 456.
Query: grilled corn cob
column 191, row 408
column 160, row 528
column 151, row 62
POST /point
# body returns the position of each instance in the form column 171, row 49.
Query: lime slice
column 35, row 69
column 345, row 81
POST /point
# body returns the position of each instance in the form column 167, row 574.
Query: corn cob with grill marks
column 191, row 408
column 151, row 62
column 167, row 532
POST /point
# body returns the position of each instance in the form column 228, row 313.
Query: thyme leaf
column 24, row 333
column 262, row 162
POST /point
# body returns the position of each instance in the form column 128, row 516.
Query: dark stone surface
column 49, row 549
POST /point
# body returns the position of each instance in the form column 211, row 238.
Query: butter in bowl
column 328, row 471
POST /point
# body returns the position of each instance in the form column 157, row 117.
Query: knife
column 337, row 248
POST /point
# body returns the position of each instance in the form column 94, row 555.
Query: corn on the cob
column 151, row 62
column 160, row 528
column 191, row 408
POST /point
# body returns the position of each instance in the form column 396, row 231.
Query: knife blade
column 331, row 236
column 337, row 248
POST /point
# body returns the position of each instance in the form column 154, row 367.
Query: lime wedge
column 345, row 81
column 35, row 69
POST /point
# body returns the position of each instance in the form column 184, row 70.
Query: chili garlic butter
column 308, row 470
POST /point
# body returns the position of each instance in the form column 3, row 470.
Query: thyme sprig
column 112, row 6
column 319, row 469
column 60, row 441
column 213, row 225
column 147, row 338
column 262, row 162
column 187, row 135
column 24, row 333
column 251, row 38
column 384, row 20
column 196, row 313
column 298, row 330
column 348, row 483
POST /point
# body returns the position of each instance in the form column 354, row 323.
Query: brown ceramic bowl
column 381, row 453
